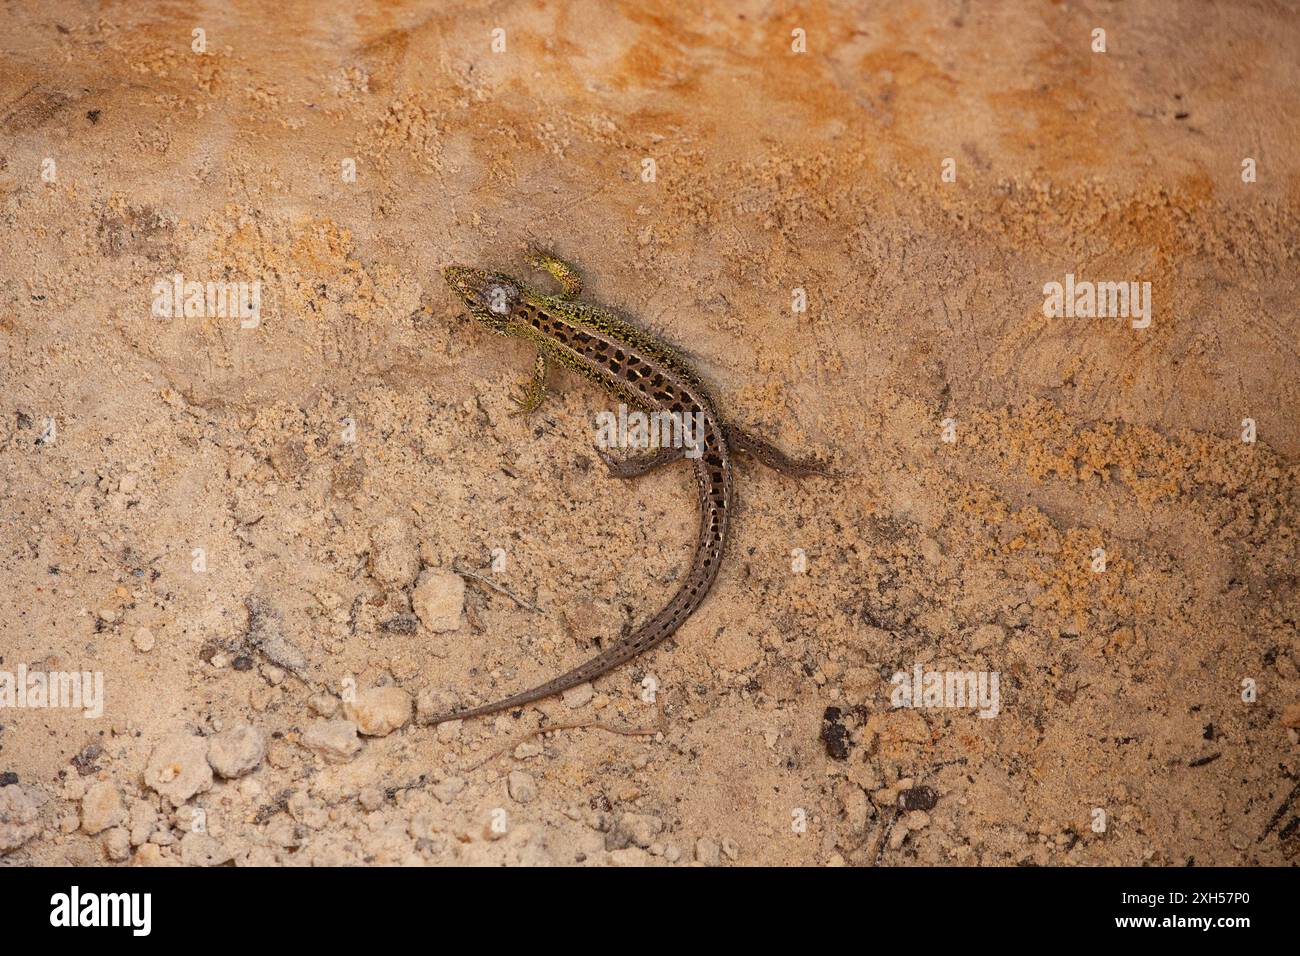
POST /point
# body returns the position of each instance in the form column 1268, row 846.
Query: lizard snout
column 490, row 297
column 470, row 285
column 463, row 280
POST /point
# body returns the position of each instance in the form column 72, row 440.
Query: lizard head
column 491, row 297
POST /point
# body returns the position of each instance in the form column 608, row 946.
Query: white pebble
column 236, row 752
column 579, row 696
column 178, row 767
column 439, row 600
column 101, row 808
column 335, row 740
column 522, row 787
column 378, row 711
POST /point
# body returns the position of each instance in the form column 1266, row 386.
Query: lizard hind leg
column 561, row 271
column 771, row 456
column 636, row 465
column 533, row 393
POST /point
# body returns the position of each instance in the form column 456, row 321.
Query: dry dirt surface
column 280, row 539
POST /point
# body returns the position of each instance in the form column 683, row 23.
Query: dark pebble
column 85, row 761
column 835, row 736
column 402, row 624
column 918, row 798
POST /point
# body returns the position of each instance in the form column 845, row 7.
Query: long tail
column 714, row 478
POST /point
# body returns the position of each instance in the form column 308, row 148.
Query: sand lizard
column 646, row 373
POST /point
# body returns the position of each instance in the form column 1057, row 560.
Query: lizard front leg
column 533, row 393
column 563, row 273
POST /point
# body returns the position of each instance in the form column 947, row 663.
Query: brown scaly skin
column 639, row 369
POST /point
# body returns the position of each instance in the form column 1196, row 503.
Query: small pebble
column 638, row 828
column 522, row 787
column 917, row 798
column 148, row 855
column 236, row 752
column 378, row 711
column 179, row 768
column 203, row 849
column 101, row 808
column 707, row 852
column 335, row 740
column 579, row 696
column 439, row 600
column 117, row 845
column 142, row 819
column 1291, row 715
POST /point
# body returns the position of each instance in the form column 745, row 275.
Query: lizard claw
column 528, row 400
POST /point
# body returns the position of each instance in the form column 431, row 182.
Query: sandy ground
column 253, row 534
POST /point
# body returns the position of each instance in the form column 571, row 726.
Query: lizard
column 647, row 373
